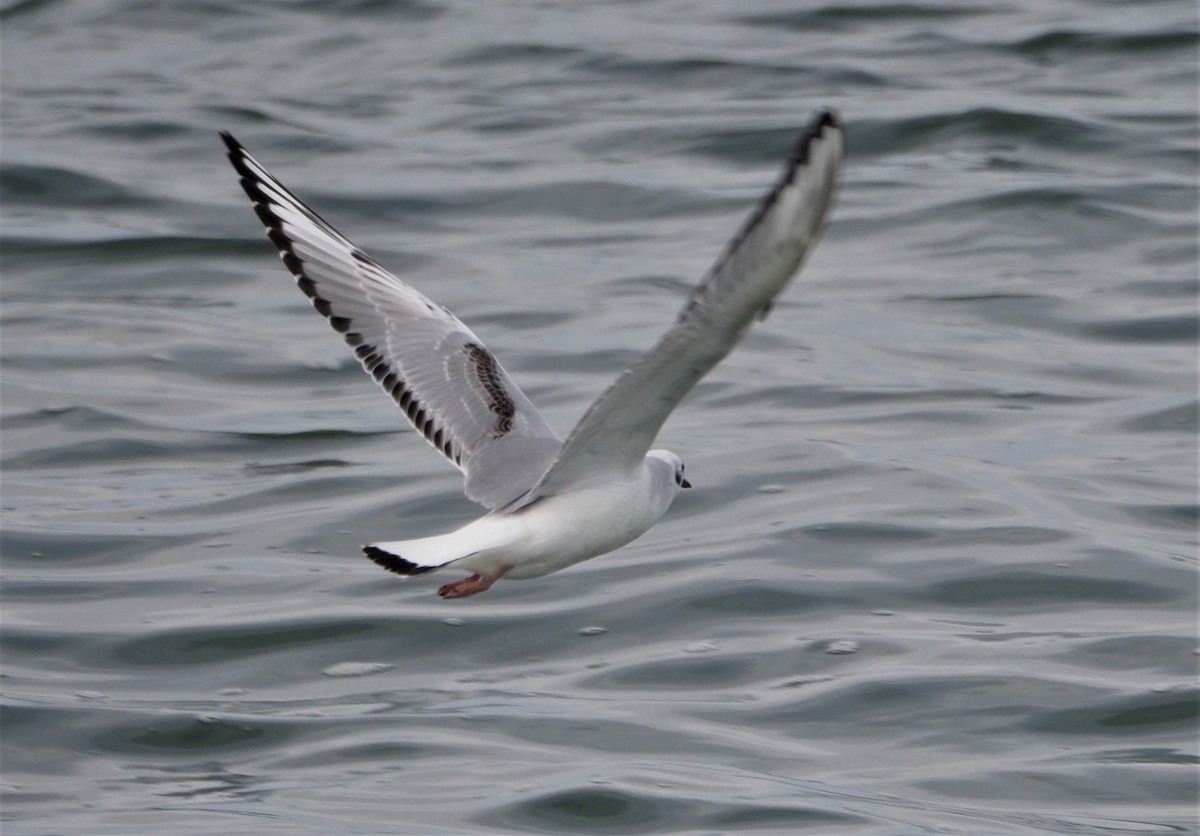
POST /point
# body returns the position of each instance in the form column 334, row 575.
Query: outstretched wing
column 450, row 386
column 618, row 429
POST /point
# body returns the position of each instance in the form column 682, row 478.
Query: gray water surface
column 937, row 574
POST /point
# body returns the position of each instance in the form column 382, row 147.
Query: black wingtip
column 394, row 562
column 826, row 119
column 237, row 158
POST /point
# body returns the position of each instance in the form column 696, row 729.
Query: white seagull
column 550, row 504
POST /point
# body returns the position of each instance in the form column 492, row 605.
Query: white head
column 674, row 465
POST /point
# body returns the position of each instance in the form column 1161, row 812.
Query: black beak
column 685, row 483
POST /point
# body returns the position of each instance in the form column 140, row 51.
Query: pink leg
column 470, row 586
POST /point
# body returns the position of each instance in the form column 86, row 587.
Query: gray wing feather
column 450, row 386
column 618, row 429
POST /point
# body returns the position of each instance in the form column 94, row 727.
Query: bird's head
column 675, row 464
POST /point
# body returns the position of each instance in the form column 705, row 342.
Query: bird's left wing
column 619, row 428
column 453, row 390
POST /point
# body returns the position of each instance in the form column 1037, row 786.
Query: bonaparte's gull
column 551, row 504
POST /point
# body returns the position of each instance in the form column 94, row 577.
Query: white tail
column 427, row 554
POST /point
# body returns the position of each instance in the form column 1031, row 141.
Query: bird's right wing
column 619, row 428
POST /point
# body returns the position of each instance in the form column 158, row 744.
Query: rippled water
column 938, row 571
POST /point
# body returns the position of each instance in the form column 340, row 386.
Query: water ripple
column 938, row 571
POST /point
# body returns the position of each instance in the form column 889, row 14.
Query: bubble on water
column 454, row 622
column 355, row 668
column 842, row 647
column 592, row 631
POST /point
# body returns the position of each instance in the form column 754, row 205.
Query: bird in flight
column 550, row 503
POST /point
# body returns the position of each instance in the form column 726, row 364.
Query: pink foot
column 469, row 586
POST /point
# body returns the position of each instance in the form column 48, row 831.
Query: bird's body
column 552, row 503
column 550, row 534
